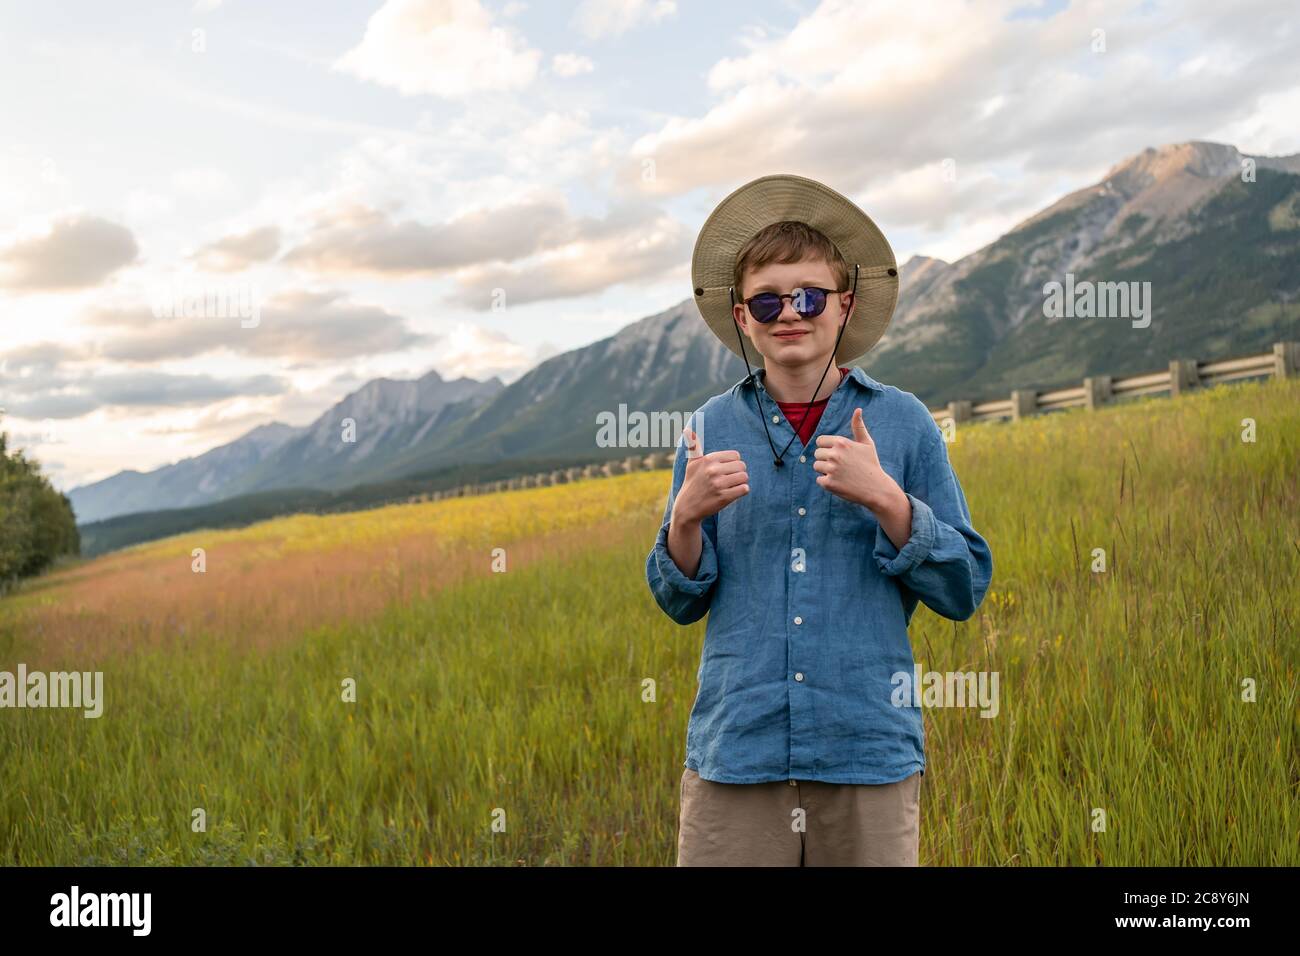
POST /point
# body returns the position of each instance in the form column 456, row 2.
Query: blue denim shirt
column 807, row 597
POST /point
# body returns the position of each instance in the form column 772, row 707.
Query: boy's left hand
column 851, row 469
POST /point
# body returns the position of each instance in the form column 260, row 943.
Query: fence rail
column 1181, row 376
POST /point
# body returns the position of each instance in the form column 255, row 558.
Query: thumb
column 859, row 429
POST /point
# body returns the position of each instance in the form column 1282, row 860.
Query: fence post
column 1183, row 376
column 959, row 411
column 1024, row 402
column 1097, row 391
column 1284, row 358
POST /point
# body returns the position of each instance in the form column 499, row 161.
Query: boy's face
column 792, row 341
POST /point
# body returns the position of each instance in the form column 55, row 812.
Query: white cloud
column 605, row 18
column 480, row 353
column 571, row 64
column 446, row 48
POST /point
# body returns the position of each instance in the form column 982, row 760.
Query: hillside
column 1222, row 257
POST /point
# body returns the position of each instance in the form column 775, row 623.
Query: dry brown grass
column 260, row 589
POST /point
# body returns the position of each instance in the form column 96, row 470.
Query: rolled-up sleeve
column 945, row 562
column 684, row 599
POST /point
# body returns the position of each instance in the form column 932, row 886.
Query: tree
column 37, row 524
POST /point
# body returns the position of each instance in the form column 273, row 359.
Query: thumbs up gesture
column 850, row 468
column 711, row 482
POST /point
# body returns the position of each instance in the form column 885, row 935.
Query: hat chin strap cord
column 777, row 458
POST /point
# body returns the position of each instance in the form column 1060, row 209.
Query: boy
column 808, row 556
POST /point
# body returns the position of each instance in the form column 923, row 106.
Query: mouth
column 793, row 334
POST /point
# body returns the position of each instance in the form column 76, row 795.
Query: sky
column 215, row 214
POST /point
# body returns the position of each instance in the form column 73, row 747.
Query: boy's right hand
column 712, row 481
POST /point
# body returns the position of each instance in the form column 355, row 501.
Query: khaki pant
column 798, row 823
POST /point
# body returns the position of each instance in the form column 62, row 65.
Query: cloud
column 605, row 18
column 571, row 64
column 593, row 261
column 75, row 252
column 445, row 48
column 142, row 389
column 299, row 325
column 38, row 359
column 362, row 240
column 480, row 353
column 148, row 388
column 841, row 100
column 535, row 249
column 233, row 253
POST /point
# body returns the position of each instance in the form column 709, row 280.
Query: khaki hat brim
column 777, row 198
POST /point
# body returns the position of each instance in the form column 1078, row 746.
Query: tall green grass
column 518, row 697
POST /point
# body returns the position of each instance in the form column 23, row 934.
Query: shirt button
column 803, row 457
column 803, row 511
column 798, row 620
column 799, row 676
column 776, row 418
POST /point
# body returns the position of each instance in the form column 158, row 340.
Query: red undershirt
column 805, row 421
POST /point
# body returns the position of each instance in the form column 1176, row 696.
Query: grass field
column 499, row 717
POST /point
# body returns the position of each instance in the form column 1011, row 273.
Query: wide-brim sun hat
column 777, row 198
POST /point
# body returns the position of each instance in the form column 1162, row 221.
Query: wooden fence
column 1181, row 376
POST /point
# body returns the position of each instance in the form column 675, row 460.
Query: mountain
column 388, row 415
column 1222, row 257
column 191, row 481
column 388, row 419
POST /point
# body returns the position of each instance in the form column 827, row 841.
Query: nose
column 788, row 314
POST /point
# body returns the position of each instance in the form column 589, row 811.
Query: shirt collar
column 855, row 374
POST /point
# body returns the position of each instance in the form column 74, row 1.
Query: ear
column 738, row 312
